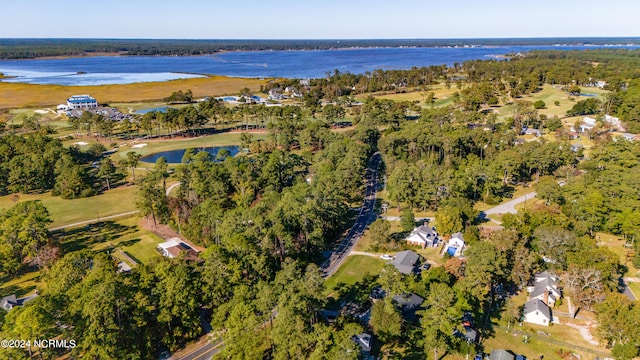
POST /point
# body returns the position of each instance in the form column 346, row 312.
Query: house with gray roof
column 9, row 302
column 501, row 355
column 406, row 261
column 424, row 236
column 408, row 304
column 545, row 288
column 364, row 340
column 537, row 312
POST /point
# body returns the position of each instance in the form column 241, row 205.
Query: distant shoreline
column 24, row 49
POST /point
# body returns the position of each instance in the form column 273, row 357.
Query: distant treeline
column 34, row 48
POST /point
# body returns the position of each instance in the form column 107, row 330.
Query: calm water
column 288, row 64
column 175, row 156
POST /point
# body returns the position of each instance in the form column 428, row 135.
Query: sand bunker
column 138, row 146
column 81, row 143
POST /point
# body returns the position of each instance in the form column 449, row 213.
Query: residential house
column 534, row 132
column 408, row 304
column 628, row 136
column 274, row 94
column 613, row 121
column 537, row 312
column 364, row 340
column 501, row 355
column 175, row 247
column 576, row 147
column 424, row 236
column 545, row 288
column 9, row 302
column 587, row 123
column 455, row 245
column 406, row 261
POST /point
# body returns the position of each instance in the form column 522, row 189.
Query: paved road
column 509, row 206
column 366, row 216
column 102, row 218
column 205, row 352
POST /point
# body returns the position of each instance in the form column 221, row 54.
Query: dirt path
column 363, row 253
column 585, row 331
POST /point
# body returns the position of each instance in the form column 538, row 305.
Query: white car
column 386, row 257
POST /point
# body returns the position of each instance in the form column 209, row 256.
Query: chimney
column 546, row 297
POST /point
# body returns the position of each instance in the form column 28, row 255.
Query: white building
column 455, row 245
column 537, row 312
column 174, row 247
column 82, row 102
column 587, row 123
column 423, row 236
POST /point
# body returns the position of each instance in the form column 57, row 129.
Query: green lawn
column 109, row 236
column 65, row 212
column 353, row 270
column 22, row 285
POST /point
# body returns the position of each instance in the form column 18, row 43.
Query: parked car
column 425, row 266
column 386, row 257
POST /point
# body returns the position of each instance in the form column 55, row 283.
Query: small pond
column 175, row 156
column 162, row 109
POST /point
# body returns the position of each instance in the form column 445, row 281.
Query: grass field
column 109, row 236
column 354, row 269
column 17, row 95
column 65, row 212
column 441, row 93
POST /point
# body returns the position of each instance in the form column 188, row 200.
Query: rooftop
column 537, row 305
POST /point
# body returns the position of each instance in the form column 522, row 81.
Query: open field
column 63, row 212
column 17, row 95
column 21, row 285
column 441, row 93
column 109, row 236
column 354, row 269
column 550, row 94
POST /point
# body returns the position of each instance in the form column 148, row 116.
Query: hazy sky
column 309, row 19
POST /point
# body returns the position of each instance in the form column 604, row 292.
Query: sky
column 318, row 19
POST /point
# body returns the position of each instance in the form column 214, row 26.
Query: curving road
column 366, row 216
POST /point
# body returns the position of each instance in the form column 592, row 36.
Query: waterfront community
column 483, row 208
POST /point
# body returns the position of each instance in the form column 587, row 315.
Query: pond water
column 175, row 156
column 159, row 109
